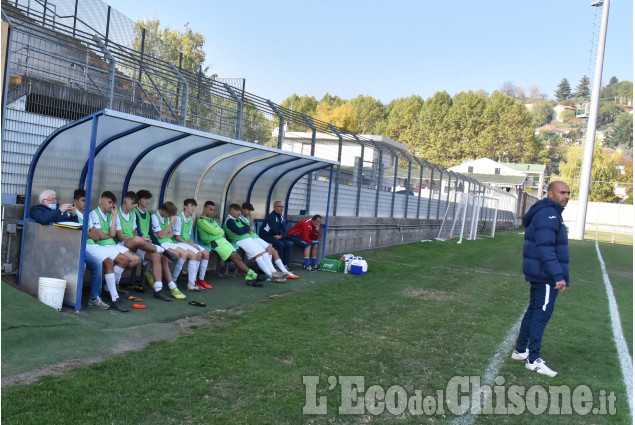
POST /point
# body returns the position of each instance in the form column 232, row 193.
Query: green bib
column 230, row 235
column 186, row 228
column 127, row 226
column 105, row 225
column 247, row 222
column 163, row 226
column 81, row 221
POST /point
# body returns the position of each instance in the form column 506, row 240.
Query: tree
column 541, row 112
column 369, row 111
column 536, row 94
column 550, row 152
column 401, row 119
column 508, row 132
column 621, row 133
column 332, row 101
column 627, row 177
column 608, row 112
column 564, row 90
column 342, row 116
column 432, row 140
column 583, row 90
column 303, row 104
column 604, row 174
column 167, row 44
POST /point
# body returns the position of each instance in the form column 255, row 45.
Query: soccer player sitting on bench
column 105, row 247
column 210, row 233
column 305, row 235
column 162, row 221
column 157, row 255
column 245, row 218
column 94, row 264
column 182, row 229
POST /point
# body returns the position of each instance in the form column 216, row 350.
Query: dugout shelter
column 114, row 151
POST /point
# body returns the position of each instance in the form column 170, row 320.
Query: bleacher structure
column 70, row 58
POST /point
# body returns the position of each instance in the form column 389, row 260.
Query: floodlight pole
column 587, row 162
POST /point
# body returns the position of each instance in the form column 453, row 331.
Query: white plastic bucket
column 50, row 291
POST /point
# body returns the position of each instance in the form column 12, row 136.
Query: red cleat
column 202, row 284
column 292, row 276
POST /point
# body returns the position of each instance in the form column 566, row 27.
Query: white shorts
column 263, row 243
column 141, row 253
column 250, row 246
column 106, row 251
column 187, row 247
column 170, row 245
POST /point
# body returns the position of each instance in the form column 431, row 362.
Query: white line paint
column 626, row 362
column 491, row 372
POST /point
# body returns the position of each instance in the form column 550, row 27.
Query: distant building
column 559, row 109
column 535, row 174
column 493, row 173
column 549, row 127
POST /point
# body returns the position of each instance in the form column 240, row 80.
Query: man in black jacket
column 272, row 231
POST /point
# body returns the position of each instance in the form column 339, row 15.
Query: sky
column 399, row 48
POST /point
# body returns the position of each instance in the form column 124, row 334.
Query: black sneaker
column 120, row 305
column 170, row 255
column 160, row 295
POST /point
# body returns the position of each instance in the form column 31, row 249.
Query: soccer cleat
column 292, row 276
column 308, row 268
column 540, row 367
column 170, row 255
column 278, row 277
column 118, row 304
column 254, row 283
column 520, row 356
column 178, row 294
column 98, row 303
column 160, row 295
column 193, row 288
column 149, row 278
column 202, row 284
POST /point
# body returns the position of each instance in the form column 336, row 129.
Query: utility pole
column 587, row 161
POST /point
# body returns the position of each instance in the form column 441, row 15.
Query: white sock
column 118, row 272
column 111, row 285
column 202, row 269
column 177, row 268
column 192, row 268
column 281, row 266
column 171, row 285
column 266, row 268
column 157, row 286
column 160, row 249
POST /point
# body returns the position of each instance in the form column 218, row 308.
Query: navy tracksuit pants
column 542, row 298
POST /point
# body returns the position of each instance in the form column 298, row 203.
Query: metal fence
column 69, row 58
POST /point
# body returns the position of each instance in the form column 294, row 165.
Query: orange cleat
column 202, row 284
column 292, row 276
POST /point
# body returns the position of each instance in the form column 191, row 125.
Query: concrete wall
column 617, row 218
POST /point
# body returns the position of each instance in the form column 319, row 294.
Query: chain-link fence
column 69, row 58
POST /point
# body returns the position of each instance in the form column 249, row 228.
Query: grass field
column 425, row 313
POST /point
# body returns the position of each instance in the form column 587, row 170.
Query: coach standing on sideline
column 546, row 267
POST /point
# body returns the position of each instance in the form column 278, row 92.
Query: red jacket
column 305, row 230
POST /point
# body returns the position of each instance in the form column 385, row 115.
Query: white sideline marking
column 491, row 372
column 626, row 362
